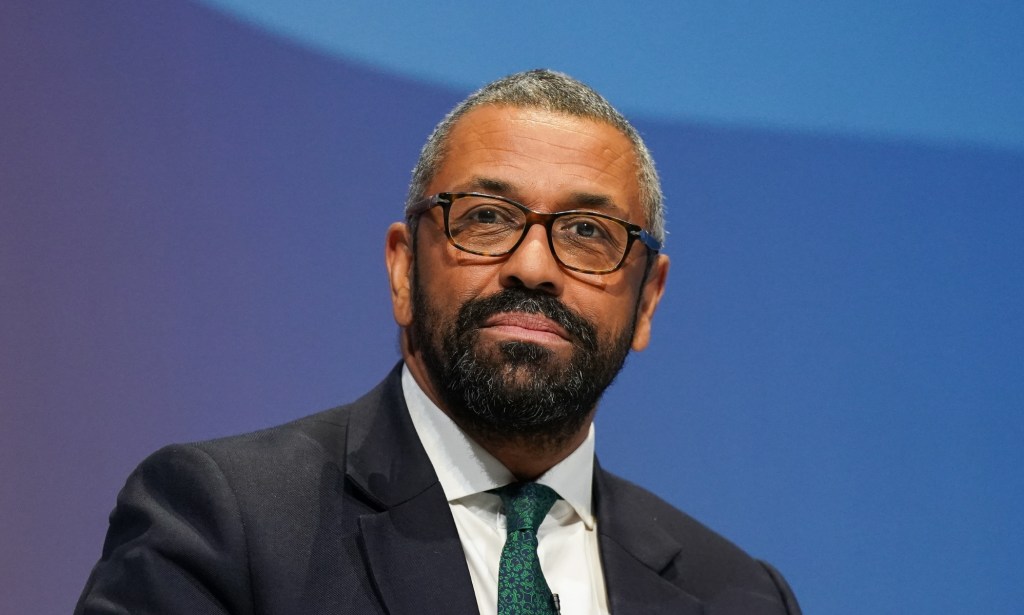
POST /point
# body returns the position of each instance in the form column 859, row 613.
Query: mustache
column 475, row 312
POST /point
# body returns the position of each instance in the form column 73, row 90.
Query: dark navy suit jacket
column 341, row 512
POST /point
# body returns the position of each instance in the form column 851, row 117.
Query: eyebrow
column 596, row 201
column 584, row 200
column 491, row 185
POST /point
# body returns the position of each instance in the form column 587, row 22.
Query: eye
column 484, row 215
column 481, row 222
column 480, row 211
column 583, row 228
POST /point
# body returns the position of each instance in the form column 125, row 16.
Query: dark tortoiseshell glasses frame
column 445, row 200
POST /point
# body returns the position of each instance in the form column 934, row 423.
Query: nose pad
column 533, row 265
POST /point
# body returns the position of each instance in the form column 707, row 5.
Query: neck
column 529, row 458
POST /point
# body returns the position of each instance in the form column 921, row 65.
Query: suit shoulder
column 647, row 507
column 323, row 432
column 325, row 428
column 705, row 564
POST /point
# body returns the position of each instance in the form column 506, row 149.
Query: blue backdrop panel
column 191, row 237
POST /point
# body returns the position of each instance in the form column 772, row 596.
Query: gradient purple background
column 191, row 238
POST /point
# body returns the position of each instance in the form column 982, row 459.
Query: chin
column 525, row 354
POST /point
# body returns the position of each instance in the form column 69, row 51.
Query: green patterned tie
column 522, row 589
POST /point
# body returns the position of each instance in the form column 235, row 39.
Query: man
column 527, row 268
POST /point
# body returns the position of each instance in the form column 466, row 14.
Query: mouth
column 521, row 326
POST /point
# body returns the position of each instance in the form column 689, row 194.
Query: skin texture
column 549, row 162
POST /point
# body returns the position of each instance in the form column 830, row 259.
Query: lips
column 526, row 326
column 520, row 314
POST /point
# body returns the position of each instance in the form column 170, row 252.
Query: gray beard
column 521, row 392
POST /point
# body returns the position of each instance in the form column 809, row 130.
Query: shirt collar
column 464, row 468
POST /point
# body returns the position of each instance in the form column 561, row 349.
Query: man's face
column 517, row 346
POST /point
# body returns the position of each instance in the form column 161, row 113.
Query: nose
column 532, row 265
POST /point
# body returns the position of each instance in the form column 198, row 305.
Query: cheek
column 450, row 277
column 611, row 307
column 442, row 290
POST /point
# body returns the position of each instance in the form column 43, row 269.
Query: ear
column 650, row 295
column 398, row 257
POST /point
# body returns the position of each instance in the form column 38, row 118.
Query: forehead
column 546, row 158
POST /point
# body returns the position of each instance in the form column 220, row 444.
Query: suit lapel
column 411, row 546
column 416, row 557
column 633, row 555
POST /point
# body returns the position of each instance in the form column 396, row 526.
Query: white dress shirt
column 568, row 547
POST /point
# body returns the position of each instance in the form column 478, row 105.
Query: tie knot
column 526, row 504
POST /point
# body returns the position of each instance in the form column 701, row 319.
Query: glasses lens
column 489, row 226
column 589, row 241
column 485, row 225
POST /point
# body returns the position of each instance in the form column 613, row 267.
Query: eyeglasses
column 488, row 225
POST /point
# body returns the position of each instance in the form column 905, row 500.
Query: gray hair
column 550, row 91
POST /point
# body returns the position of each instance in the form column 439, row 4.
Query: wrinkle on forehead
column 509, row 143
column 575, row 200
column 597, row 137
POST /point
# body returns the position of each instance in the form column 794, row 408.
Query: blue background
column 193, row 198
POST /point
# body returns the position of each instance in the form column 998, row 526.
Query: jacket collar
column 635, row 554
column 411, row 545
column 385, row 458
